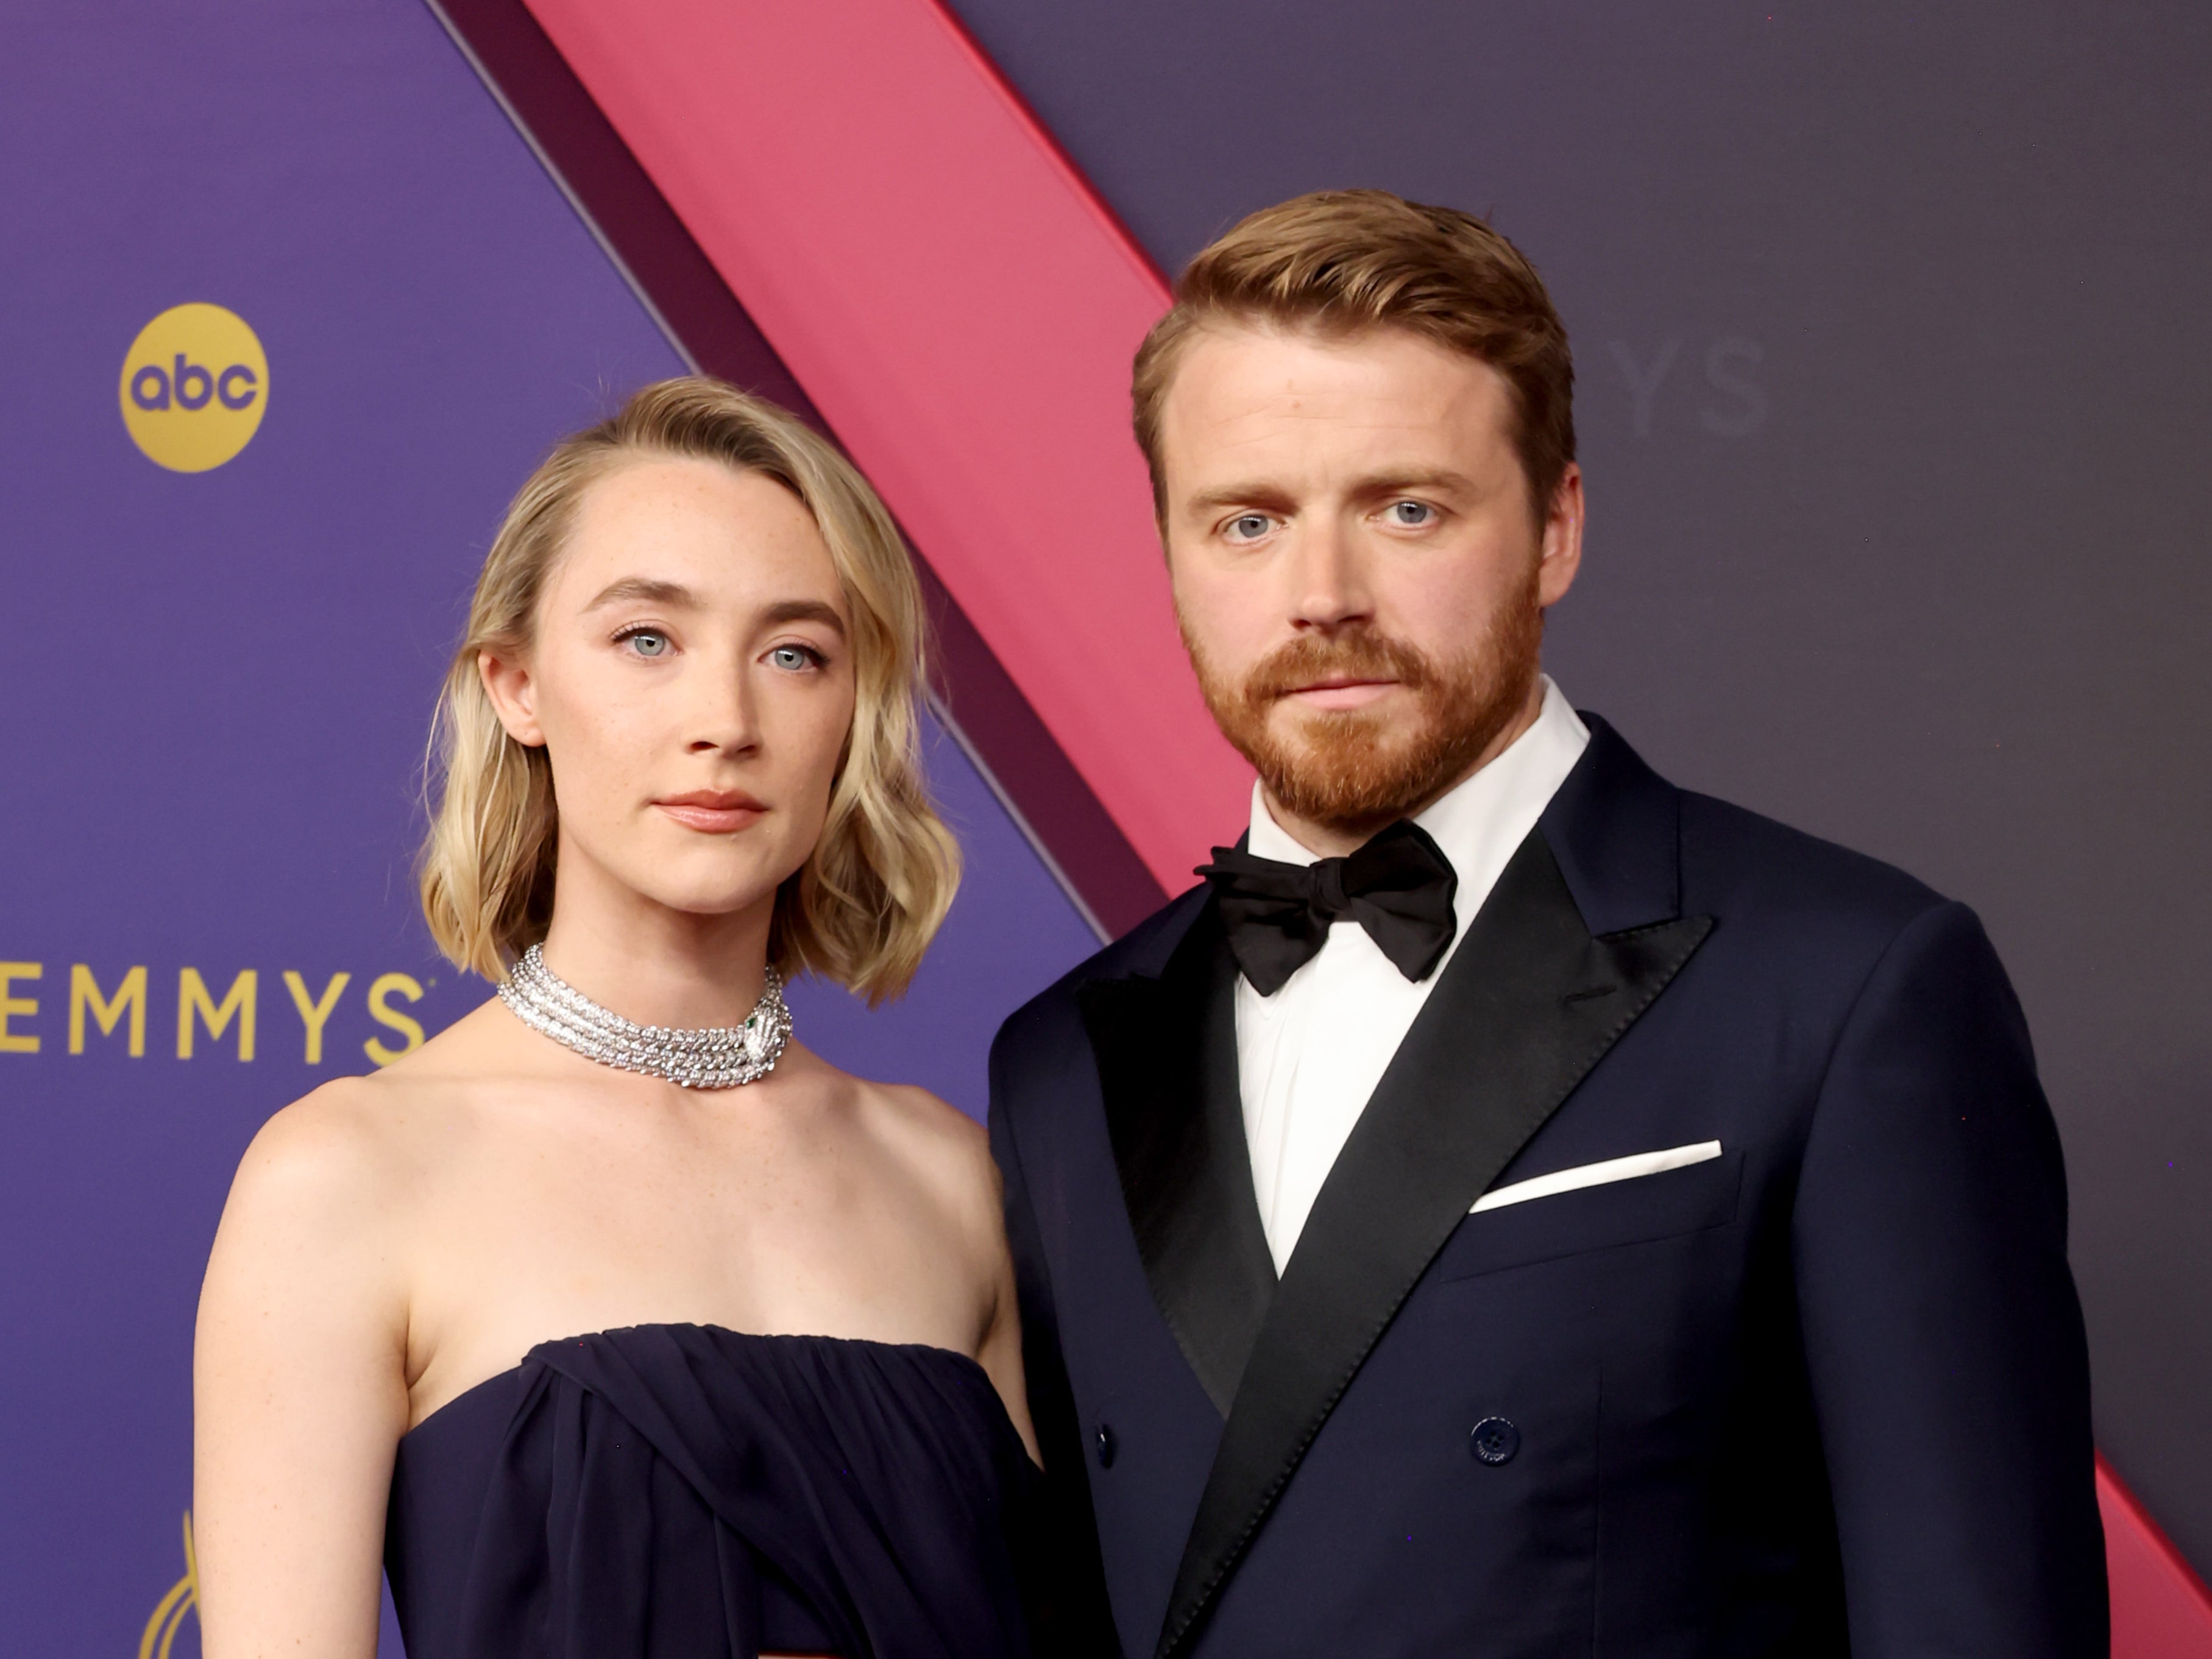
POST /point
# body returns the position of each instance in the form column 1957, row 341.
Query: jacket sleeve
column 1069, row 1602
column 1943, row 1340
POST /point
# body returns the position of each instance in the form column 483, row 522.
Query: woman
column 786, row 1413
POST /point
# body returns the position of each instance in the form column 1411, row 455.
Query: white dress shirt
column 1309, row 1056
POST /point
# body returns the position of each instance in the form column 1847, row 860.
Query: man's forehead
column 1243, row 390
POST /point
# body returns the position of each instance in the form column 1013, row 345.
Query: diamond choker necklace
column 716, row 1057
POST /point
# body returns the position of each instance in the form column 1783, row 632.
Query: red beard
column 1352, row 770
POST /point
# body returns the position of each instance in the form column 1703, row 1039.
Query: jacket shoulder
column 1038, row 1037
column 1144, row 949
column 1044, row 1049
column 1634, row 847
column 1740, row 864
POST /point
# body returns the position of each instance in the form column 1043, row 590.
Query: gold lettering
column 314, row 1015
column 18, row 1042
column 240, row 1000
column 84, row 992
column 383, row 1014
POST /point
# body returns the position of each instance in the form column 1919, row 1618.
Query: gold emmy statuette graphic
column 183, row 1598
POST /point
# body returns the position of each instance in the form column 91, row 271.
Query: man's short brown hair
column 1339, row 261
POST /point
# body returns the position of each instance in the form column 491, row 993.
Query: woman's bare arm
column 299, row 1387
column 1000, row 1354
column 1002, row 1357
column 949, row 1155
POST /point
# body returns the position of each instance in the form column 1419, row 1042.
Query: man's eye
column 1249, row 526
column 646, row 643
column 1412, row 514
column 793, row 658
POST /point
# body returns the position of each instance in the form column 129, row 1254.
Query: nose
column 1328, row 578
column 723, row 714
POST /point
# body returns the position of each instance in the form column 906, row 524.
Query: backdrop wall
column 1890, row 365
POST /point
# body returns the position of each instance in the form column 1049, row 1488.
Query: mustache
column 1360, row 655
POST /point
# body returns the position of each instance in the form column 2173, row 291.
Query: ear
column 1562, row 546
column 514, row 694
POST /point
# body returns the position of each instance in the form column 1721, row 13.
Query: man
column 1514, row 1206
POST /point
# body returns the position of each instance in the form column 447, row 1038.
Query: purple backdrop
column 215, row 686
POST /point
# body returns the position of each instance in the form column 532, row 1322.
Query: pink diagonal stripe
column 2160, row 1609
column 962, row 310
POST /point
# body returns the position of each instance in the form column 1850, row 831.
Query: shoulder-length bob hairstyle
column 863, row 908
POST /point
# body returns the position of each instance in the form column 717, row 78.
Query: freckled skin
column 393, row 1240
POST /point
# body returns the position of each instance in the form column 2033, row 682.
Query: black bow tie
column 1399, row 887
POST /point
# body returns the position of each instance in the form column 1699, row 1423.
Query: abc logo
column 195, row 383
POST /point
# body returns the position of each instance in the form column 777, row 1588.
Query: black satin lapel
column 1528, row 1005
column 1167, row 1063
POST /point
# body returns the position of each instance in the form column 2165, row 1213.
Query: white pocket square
column 1595, row 1175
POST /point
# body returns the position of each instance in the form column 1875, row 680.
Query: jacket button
column 1494, row 1441
column 1107, row 1445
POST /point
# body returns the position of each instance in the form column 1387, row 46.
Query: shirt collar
column 1479, row 822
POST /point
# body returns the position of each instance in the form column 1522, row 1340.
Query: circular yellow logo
column 195, row 382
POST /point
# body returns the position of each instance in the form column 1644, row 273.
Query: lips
column 713, row 812
column 1341, row 693
column 1350, row 670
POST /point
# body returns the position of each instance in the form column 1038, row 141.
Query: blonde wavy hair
column 864, row 907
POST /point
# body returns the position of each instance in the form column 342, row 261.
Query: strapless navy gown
column 682, row 1491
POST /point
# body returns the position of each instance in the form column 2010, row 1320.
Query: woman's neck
column 655, row 965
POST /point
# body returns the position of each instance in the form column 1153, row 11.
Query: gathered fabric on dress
column 685, row 1491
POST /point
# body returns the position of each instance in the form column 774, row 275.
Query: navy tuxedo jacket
column 1825, row 1392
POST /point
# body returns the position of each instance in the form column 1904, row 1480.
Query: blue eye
column 1412, row 514
column 1249, row 526
column 646, row 643
column 793, row 658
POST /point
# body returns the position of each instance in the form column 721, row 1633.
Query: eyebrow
column 647, row 590
column 1257, row 494
column 1429, row 477
column 790, row 610
column 1241, row 494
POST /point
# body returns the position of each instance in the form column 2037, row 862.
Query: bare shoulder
column 356, row 1148
column 946, row 1150
column 948, row 1132
column 307, row 1235
column 327, row 1163
column 922, row 1113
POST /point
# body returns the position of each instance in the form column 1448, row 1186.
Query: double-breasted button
column 1107, row 1445
column 1494, row 1441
